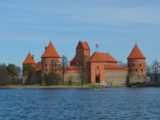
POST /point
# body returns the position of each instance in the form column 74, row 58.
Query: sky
column 115, row 25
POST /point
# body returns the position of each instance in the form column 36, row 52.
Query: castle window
column 140, row 64
column 45, row 64
column 136, row 70
column 141, row 70
column 133, row 65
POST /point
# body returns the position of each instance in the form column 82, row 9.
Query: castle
column 98, row 68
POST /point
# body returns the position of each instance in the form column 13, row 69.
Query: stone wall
column 72, row 75
column 72, row 78
column 116, row 78
column 137, row 78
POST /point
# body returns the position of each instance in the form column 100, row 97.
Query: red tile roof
column 102, row 57
column 136, row 53
column 29, row 59
column 84, row 45
column 38, row 66
column 50, row 52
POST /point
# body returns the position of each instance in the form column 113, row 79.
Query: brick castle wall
column 116, row 78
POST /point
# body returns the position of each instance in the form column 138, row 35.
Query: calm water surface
column 80, row 104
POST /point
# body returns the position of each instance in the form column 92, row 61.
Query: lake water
column 80, row 104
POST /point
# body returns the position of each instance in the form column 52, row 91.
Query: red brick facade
column 95, row 68
column 82, row 54
column 97, row 63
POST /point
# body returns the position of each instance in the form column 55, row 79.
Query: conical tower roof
column 136, row 53
column 50, row 52
column 29, row 59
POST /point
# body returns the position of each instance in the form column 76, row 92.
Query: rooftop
column 51, row 52
column 136, row 53
column 84, row 45
column 102, row 57
column 29, row 59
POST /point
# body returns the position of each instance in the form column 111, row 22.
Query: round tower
column 27, row 64
column 137, row 67
column 29, row 60
column 50, row 59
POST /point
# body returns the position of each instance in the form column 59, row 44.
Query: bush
column 53, row 79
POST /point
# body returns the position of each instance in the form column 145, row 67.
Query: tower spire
column 136, row 53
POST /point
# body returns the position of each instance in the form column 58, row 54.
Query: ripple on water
column 80, row 104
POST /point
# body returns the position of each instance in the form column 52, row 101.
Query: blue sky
column 116, row 25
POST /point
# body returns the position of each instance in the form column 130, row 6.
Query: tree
column 13, row 71
column 149, row 70
column 4, row 76
column 29, row 72
column 52, row 79
column 10, row 74
column 155, row 69
column 29, row 69
column 120, row 63
column 64, row 64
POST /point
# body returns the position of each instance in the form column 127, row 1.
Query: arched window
column 97, row 67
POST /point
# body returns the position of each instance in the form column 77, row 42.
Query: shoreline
column 68, row 86
column 57, row 86
column 44, row 86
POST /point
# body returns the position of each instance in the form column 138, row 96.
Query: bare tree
column 149, row 70
column 64, row 63
column 155, row 69
column 120, row 63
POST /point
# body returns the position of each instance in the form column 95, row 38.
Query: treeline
column 153, row 72
column 10, row 75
